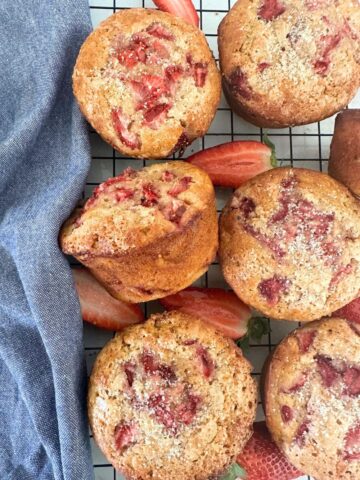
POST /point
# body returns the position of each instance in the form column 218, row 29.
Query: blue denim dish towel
column 44, row 160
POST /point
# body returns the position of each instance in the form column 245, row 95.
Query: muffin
column 344, row 161
column 312, row 399
column 147, row 82
column 171, row 399
column 146, row 234
column 290, row 244
column 290, row 62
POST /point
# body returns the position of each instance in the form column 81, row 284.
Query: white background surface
column 306, row 146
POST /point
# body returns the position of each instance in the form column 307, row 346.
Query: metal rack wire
column 306, row 146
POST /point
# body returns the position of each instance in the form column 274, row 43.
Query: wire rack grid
column 306, row 146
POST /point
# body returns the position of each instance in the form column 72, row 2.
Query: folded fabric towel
column 44, row 160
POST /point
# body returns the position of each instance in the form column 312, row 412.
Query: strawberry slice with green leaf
column 232, row 164
column 99, row 307
column 262, row 460
column 221, row 308
column 180, row 8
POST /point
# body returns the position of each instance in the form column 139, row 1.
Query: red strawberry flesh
column 286, row 413
column 272, row 288
column 150, row 196
column 239, row 84
column 329, row 374
column 159, row 31
column 181, row 8
column 271, row 9
column 351, row 311
column 99, row 307
column 327, row 44
column 180, row 187
column 130, row 371
column 122, row 126
column 153, row 367
column 351, row 378
column 221, row 308
column 352, row 444
column 232, row 164
column 206, row 362
column 125, row 435
column 305, row 339
column 262, row 460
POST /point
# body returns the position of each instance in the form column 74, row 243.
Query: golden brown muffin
column 171, row 399
column 146, row 234
column 147, row 82
column 290, row 244
column 312, row 399
column 290, row 62
column 344, row 161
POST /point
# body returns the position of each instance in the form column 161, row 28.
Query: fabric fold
column 44, row 161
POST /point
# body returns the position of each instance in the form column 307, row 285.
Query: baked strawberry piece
column 167, row 392
column 148, row 233
column 147, row 82
column 290, row 244
column 312, row 399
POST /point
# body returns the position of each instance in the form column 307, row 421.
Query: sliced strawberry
column 181, row 8
column 352, row 444
column 350, row 312
column 328, row 372
column 263, row 66
column 328, row 44
column 167, row 176
column 272, row 288
column 124, row 435
column 174, row 211
column 351, row 378
column 262, row 460
column 122, row 125
column 271, row 9
column 130, row 371
column 222, row 309
column 301, row 432
column 153, row 367
column 239, row 84
column 232, row 164
column 287, row 413
column 305, row 339
column 148, row 89
column 123, row 193
column 180, row 187
column 99, row 307
column 150, row 197
column 158, row 30
column 173, row 73
column 206, row 362
column 181, row 144
column 157, row 113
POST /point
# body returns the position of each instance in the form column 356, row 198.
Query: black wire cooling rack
column 306, row 146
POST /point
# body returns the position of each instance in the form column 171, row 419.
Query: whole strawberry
column 262, row 460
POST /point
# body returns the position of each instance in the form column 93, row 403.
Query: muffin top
column 171, row 398
column 138, row 207
column 147, row 82
column 290, row 244
column 292, row 61
column 312, row 399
